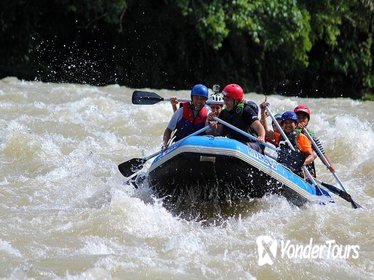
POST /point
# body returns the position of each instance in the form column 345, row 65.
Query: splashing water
column 67, row 213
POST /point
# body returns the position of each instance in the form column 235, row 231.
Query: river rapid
column 67, row 213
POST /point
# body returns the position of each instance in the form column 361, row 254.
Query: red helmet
column 303, row 109
column 233, row 91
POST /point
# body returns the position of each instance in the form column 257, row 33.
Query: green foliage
column 93, row 10
column 324, row 46
column 270, row 24
column 343, row 41
column 368, row 97
column 213, row 27
column 326, row 20
column 334, row 36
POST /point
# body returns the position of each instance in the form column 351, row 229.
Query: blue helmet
column 289, row 115
column 200, row 90
column 277, row 117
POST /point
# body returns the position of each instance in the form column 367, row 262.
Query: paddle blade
column 131, row 166
column 346, row 196
column 145, row 97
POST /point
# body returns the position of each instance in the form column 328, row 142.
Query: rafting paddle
column 140, row 97
column 243, row 133
column 296, row 160
column 322, row 156
column 341, row 192
column 149, row 98
column 134, row 165
column 304, row 168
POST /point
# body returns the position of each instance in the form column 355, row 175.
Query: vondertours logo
column 269, row 249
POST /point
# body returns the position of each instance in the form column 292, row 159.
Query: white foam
column 7, row 247
column 59, row 149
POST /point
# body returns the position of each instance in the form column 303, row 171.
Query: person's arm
column 174, row 103
column 171, row 126
column 309, row 157
column 268, row 132
column 264, row 115
column 216, row 129
column 259, row 129
column 332, row 167
column 305, row 147
column 212, row 130
column 166, row 138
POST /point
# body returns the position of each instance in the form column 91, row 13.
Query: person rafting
column 216, row 110
column 303, row 154
column 190, row 117
column 277, row 117
column 215, row 97
column 303, row 115
column 174, row 103
column 239, row 113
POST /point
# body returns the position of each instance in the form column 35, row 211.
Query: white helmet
column 217, row 97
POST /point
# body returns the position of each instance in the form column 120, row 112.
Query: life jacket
column 189, row 123
column 316, row 140
column 269, row 140
column 236, row 119
column 309, row 131
column 294, row 160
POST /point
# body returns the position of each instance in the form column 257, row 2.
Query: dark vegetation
column 305, row 47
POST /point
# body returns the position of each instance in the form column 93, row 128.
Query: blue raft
column 222, row 169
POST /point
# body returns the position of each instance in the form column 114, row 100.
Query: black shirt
column 242, row 117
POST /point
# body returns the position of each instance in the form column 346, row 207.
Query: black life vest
column 239, row 120
column 294, row 160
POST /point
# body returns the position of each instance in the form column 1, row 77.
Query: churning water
column 67, row 213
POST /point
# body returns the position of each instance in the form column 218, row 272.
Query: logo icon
column 267, row 249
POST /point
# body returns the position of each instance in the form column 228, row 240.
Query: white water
column 67, row 214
